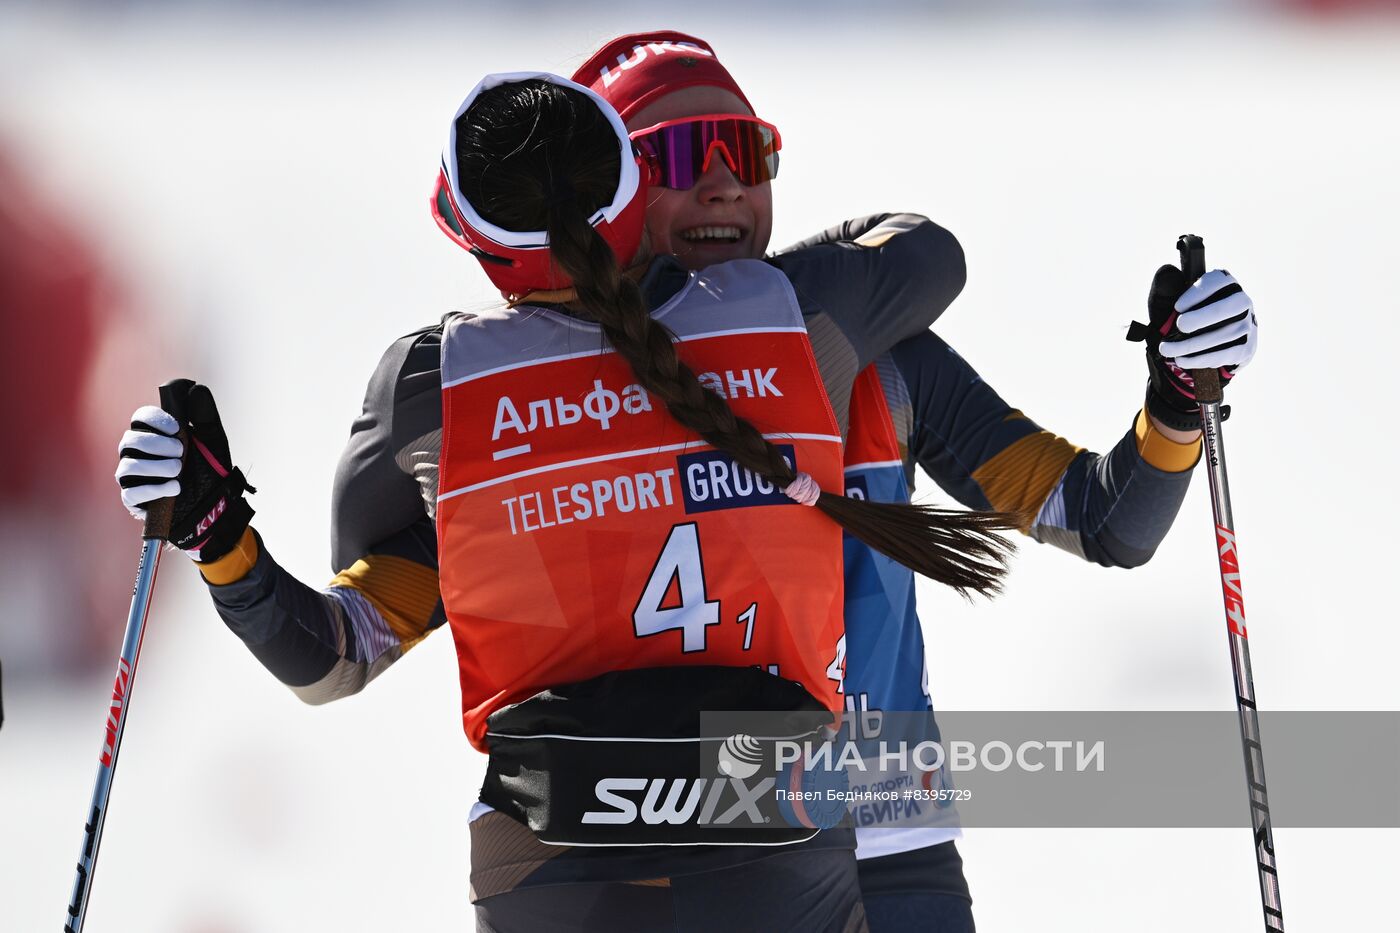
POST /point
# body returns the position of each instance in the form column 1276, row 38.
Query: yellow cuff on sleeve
column 1021, row 476
column 234, row 565
column 404, row 592
column 1163, row 452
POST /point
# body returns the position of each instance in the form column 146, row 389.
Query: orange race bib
column 582, row 530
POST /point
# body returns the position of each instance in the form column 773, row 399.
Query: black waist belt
column 664, row 756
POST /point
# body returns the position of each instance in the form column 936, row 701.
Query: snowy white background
column 262, row 183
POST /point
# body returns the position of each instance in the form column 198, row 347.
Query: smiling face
column 719, row 219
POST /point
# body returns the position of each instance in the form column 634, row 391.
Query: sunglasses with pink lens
column 680, row 151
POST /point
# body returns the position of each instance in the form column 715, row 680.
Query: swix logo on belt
column 687, row 800
column 640, row 53
column 711, row 480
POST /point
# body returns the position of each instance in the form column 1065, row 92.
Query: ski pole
column 153, row 534
column 1208, row 395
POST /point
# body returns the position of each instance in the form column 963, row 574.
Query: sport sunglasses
column 679, row 151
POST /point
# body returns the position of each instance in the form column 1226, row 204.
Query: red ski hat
column 633, row 70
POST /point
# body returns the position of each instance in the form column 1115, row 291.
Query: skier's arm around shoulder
column 880, row 278
column 874, row 230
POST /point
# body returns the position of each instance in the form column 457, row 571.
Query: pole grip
column 1193, row 264
column 160, row 512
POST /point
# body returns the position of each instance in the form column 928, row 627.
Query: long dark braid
column 565, row 167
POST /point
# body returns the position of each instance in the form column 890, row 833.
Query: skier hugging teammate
column 528, row 477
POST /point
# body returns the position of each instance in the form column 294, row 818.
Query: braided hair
column 536, row 156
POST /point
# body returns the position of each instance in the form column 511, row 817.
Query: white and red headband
column 518, row 261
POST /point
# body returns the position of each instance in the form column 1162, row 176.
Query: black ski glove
column 1208, row 324
column 210, row 512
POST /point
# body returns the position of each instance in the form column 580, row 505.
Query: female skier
column 921, row 403
column 597, row 510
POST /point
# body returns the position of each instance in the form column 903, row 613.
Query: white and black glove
column 1208, row 325
column 210, row 513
